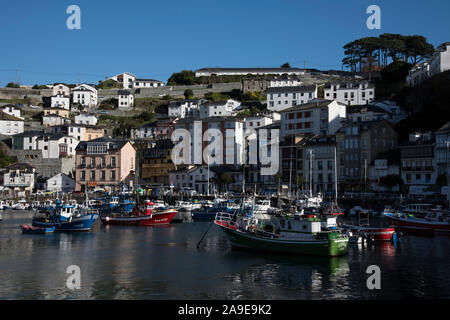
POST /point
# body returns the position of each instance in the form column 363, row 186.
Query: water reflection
column 127, row 262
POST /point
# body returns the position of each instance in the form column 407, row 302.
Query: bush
column 188, row 94
column 12, row 85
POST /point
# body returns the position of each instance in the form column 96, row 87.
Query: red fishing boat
column 436, row 221
column 143, row 215
column 376, row 234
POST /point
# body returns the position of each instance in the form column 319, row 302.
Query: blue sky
column 153, row 39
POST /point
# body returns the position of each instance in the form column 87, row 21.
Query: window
column 82, row 175
column 113, row 161
column 113, row 175
column 102, row 175
column 92, row 175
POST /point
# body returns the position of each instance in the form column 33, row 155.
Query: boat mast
column 310, row 172
column 335, row 174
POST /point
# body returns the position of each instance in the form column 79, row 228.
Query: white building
column 86, row 118
column 207, row 72
column 61, row 90
column 396, row 113
column 124, row 80
column 439, row 62
column 283, row 82
column 185, row 108
column 147, row 83
column 55, row 146
column 258, row 121
column 125, row 99
column 10, row 125
column 60, row 101
column 351, row 93
column 366, row 113
column 61, row 183
column 321, row 117
column 85, row 95
column 195, row 177
column 19, row 179
column 50, row 120
column 12, row 110
column 146, row 131
column 281, row 98
column 219, row 108
column 234, row 144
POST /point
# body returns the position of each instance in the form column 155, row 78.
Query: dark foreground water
column 120, row 262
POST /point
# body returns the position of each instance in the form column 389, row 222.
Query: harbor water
column 127, row 262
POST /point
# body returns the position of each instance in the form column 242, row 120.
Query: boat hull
column 160, row 218
column 418, row 226
column 83, row 223
column 245, row 241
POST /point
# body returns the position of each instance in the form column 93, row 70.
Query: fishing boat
column 66, row 218
column 36, row 230
column 142, row 215
column 281, row 234
column 435, row 221
column 364, row 230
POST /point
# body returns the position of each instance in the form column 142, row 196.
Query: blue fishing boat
column 66, row 218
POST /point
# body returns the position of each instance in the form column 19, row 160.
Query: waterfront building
column 157, row 163
column 319, row 154
column 193, row 177
column 19, row 180
column 358, row 144
column 10, row 125
column 417, row 162
column 60, row 183
column 353, row 93
column 384, row 172
column 282, row 98
column 103, row 163
column 442, row 155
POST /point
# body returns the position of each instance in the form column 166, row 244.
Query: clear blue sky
column 153, row 39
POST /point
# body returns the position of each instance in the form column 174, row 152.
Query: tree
column 12, row 85
column 185, row 77
column 188, row 94
column 286, row 65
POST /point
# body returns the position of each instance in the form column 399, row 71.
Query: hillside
column 429, row 104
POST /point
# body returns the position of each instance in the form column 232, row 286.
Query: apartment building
column 282, row 98
column 103, row 163
column 353, row 93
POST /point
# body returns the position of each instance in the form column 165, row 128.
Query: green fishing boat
column 282, row 234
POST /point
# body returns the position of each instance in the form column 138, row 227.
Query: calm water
column 120, row 262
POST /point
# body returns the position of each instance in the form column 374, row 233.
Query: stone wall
column 44, row 167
